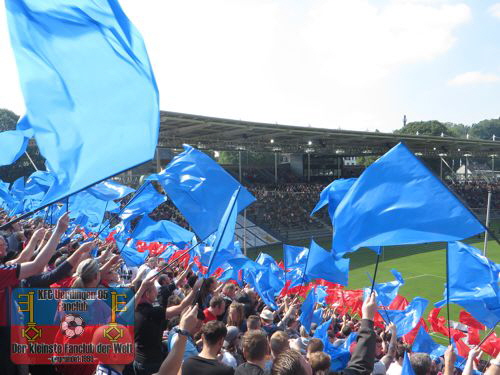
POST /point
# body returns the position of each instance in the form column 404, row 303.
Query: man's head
column 217, row 305
column 267, row 317
column 213, row 334
column 279, row 343
column 255, row 346
column 421, row 363
column 152, row 262
column 229, row 290
column 164, row 279
column 290, row 362
column 320, row 363
column 314, row 346
column 253, row 323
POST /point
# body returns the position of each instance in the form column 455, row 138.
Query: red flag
column 474, row 338
column 462, row 348
column 410, row 336
column 281, row 265
column 437, row 323
column 398, row 303
column 456, row 334
column 492, row 345
column 469, row 321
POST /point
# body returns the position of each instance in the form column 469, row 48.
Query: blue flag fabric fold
column 131, row 256
column 110, row 190
column 295, row 257
column 307, row 310
column 86, row 79
column 333, row 194
column 161, row 231
column 473, row 282
column 322, row 264
column 408, row 318
column 396, row 201
column 201, row 189
column 423, row 343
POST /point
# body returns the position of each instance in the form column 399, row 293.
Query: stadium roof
column 211, row 133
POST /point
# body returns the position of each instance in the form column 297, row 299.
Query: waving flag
column 109, row 190
column 322, row 264
column 144, row 202
column 295, row 257
column 89, row 89
column 423, row 343
column 333, row 194
column 307, row 311
column 473, row 283
column 386, row 292
column 201, row 189
column 397, row 201
column 408, row 318
column 161, row 231
column 469, row 321
column 131, row 256
column 13, row 144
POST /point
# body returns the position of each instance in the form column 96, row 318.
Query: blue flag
column 131, row 256
column 144, row 202
column 397, row 201
column 473, row 282
column 386, row 292
column 13, row 144
column 161, row 231
column 89, row 89
column 225, row 231
column 407, row 369
column 322, row 330
column 307, row 310
column 295, row 257
column 322, row 264
column 423, row 343
column 109, row 190
column 333, row 194
column 407, row 319
column 346, row 345
column 201, row 189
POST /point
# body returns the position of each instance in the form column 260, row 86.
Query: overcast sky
column 351, row 64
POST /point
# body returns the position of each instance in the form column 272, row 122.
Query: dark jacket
column 363, row 356
column 44, row 279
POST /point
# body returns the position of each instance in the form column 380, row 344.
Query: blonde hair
column 86, row 272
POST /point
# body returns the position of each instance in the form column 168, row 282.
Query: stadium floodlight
column 240, row 148
column 493, row 155
column 367, row 151
column 418, row 153
column 442, row 154
column 458, row 150
column 310, row 143
column 272, row 140
column 309, row 150
column 467, row 155
column 434, row 148
column 276, row 149
column 339, row 151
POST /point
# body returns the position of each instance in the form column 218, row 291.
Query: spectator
column 255, row 351
column 320, row 363
column 216, row 309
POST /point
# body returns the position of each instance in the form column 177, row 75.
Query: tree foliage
column 434, row 128
column 8, row 120
column 486, row 129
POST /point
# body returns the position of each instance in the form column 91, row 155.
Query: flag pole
column 448, row 292
column 487, row 221
column 375, row 272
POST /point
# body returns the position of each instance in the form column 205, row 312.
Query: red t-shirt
column 9, row 278
column 208, row 315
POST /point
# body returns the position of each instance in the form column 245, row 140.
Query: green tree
column 486, row 129
column 366, row 161
column 434, row 128
column 8, row 120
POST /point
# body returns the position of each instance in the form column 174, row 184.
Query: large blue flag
column 473, row 283
column 161, row 231
column 333, row 194
column 89, row 89
column 131, row 256
column 424, row 343
column 408, row 318
column 322, row 331
column 144, row 202
column 396, row 201
column 386, row 292
column 201, row 189
column 307, row 310
column 322, row 264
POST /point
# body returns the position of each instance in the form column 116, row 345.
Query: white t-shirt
column 394, row 369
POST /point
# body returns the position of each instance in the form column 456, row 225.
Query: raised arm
column 172, row 311
column 28, row 251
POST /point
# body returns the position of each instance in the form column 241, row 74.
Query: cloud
column 472, row 78
column 494, row 10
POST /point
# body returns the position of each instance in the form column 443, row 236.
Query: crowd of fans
column 185, row 324
column 475, row 193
